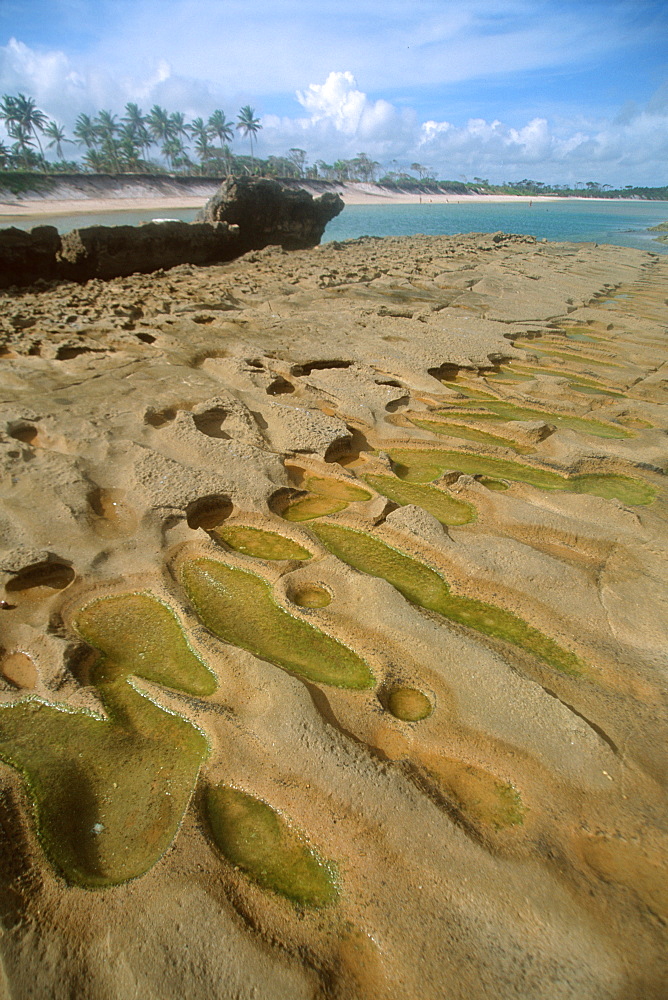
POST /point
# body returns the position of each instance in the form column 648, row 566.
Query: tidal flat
column 332, row 658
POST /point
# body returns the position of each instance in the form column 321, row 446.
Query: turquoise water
column 622, row 223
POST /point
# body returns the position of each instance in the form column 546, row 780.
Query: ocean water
column 622, row 223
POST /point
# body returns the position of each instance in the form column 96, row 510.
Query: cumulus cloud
column 337, row 119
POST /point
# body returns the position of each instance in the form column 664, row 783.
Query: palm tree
column 84, row 130
column 57, row 136
column 107, row 128
column 160, row 125
column 23, row 120
column 201, row 134
column 249, row 125
column 219, row 126
column 5, row 156
column 134, row 123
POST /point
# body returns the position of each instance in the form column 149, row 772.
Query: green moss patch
column 256, row 839
column 423, row 586
column 239, row 607
column 259, row 543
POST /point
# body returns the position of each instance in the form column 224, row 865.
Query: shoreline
column 36, row 206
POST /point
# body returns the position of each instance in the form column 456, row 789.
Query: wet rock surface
column 442, row 463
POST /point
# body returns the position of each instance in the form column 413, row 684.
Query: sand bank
column 35, row 205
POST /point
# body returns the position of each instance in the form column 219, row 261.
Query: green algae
column 496, row 485
column 469, row 434
column 311, row 596
column 423, row 586
column 581, row 359
column 336, row 489
column 594, row 390
column 238, row 607
column 259, row 543
column 464, row 390
column 257, row 840
column 417, row 466
column 510, row 411
column 572, row 377
column 445, row 508
column 631, row 492
column 409, row 704
column 140, row 635
column 308, row 507
column 110, row 793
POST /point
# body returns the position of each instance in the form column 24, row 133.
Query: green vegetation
column 313, row 505
column 419, row 466
column 409, row 704
column 109, row 794
column 468, row 433
column 311, row 596
column 239, row 607
column 337, row 489
column 425, row 587
column 259, row 543
column 256, row 839
column 499, row 410
column 445, row 508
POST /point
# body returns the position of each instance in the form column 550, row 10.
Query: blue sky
column 557, row 91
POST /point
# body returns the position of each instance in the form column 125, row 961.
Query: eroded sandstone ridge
column 333, row 627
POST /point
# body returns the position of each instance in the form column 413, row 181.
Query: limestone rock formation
column 269, row 213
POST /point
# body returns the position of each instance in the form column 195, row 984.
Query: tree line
column 130, row 144
column 125, row 145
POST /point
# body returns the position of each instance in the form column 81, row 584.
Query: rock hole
column 19, row 670
column 408, row 704
column 397, row 404
column 311, row 366
column 66, row 353
column 279, row 386
column 210, row 422
column 26, row 433
column 41, row 576
column 348, row 451
column 445, row 373
column 279, row 501
column 208, row 512
column 158, row 418
column 145, row 338
column 310, row 595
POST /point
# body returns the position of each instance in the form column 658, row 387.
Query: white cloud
column 337, row 119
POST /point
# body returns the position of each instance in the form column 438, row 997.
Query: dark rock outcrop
column 270, row 213
column 246, row 214
column 25, row 257
column 116, row 251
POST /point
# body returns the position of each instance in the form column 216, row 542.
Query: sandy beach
column 352, row 194
column 334, row 626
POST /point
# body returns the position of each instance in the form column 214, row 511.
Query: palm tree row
column 113, row 145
